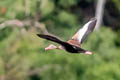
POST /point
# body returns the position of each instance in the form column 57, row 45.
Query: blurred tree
column 99, row 13
column 22, row 56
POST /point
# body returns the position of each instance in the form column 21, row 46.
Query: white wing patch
column 82, row 31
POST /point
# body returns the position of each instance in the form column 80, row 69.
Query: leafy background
column 22, row 54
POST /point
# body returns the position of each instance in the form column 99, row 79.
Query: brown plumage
column 74, row 42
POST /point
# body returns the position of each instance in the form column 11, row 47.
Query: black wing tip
column 43, row 35
column 39, row 35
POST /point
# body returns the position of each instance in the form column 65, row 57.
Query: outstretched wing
column 66, row 45
column 83, row 33
column 50, row 38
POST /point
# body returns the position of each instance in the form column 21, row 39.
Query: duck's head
column 51, row 46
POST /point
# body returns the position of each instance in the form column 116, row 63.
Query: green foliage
column 117, row 2
column 22, row 55
column 47, row 6
column 67, row 18
column 67, row 3
column 29, row 51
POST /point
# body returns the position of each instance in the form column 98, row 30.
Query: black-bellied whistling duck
column 73, row 45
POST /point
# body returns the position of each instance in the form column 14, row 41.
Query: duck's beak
column 47, row 48
column 50, row 47
column 88, row 52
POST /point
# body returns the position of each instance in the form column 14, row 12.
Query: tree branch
column 24, row 23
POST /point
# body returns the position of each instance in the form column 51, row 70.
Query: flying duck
column 73, row 45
